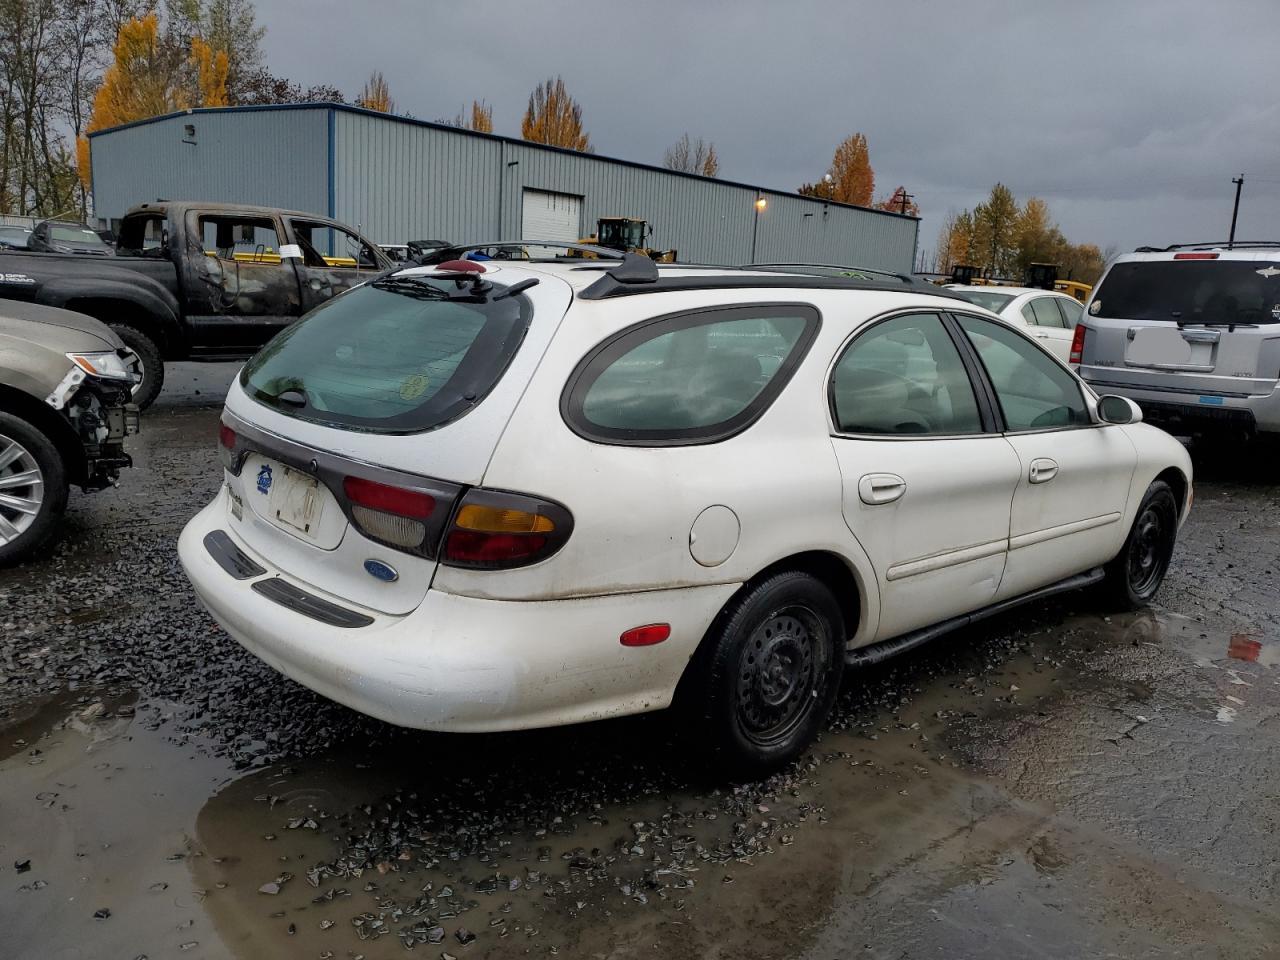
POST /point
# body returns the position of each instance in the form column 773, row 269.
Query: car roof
column 1240, row 250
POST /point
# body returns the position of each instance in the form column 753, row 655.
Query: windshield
column 398, row 355
column 65, row 233
column 1191, row 291
column 987, row 299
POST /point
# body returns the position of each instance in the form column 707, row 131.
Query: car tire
column 24, row 449
column 770, row 670
column 1137, row 571
column 145, row 393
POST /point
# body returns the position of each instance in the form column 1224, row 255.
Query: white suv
column 516, row 494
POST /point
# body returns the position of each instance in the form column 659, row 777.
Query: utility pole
column 1235, row 210
column 905, row 197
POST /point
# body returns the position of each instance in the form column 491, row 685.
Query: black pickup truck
column 199, row 281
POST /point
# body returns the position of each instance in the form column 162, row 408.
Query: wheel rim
column 1150, row 549
column 780, row 671
column 21, row 489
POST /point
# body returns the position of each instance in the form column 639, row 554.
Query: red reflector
column 461, row 266
column 381, row 496
column 645, row 636
column 471, row 546
column 1195, row 256
column 226, row 436
column 1077, row 344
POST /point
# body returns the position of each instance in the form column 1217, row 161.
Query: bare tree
column 692, row 156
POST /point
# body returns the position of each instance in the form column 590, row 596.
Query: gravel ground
column 1061, row 782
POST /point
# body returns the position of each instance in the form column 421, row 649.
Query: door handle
column 1042, row 470
column 877, row 488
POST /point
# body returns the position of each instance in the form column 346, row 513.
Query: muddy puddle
column 1071, row 787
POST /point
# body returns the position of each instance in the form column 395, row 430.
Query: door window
column 1072, row 311
column 325, row 245
column 243, row 239
column 1035, row 393
column 904, row 376
column 1046, row 312
column 690, row 378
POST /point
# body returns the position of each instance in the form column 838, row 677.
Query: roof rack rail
column 801, row 266
column 1225, row 244
column 735, row 278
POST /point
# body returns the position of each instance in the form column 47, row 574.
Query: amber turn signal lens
column 498, row 520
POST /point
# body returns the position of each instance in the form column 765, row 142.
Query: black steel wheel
column 1136, row 573
column 767, row 673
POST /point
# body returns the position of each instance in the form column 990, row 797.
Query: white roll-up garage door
column 551, row 216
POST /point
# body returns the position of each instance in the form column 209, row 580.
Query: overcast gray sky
column 1130, row 117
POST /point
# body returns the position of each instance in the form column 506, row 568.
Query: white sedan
column 514, row 494
column 1048, row 316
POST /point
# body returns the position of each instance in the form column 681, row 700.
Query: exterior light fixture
column 761, row 203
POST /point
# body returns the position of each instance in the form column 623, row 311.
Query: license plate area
column 296, row 501
column 292, row 500
column 1167, row 348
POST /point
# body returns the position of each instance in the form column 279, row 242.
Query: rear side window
column 688, row 378
column 1191, row 291
column 398, row 355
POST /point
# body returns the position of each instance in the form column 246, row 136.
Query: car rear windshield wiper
column 470, row 289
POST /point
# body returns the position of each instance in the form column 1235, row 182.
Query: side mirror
column 1114, row 409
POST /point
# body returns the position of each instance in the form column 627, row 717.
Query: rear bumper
column 463, row 664
column 1188, row 411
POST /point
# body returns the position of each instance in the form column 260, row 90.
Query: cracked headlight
column 106, row 365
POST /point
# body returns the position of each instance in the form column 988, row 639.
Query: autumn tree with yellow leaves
column 554, row 118
column 480, row 118
column 146, row 79
column 850, row 178
column 376, row 94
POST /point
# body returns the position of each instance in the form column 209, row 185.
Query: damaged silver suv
column 65, row 409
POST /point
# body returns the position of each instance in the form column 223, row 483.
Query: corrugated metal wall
column 403, row 181
column 272, row 157
column 399, row 180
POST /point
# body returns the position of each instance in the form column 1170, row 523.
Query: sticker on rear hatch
column 264, row 479
column 1095, row 307
column 1268, row 272
column 414, row 386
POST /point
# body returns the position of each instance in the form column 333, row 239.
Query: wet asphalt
column 1065, row 781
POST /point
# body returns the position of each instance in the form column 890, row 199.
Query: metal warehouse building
column 397, row 179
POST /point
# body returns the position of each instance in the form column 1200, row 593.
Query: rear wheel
column 33, row 488
column 771, row 670
column 1136, row 573
column 145, row 392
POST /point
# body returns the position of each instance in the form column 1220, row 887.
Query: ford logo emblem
column 383, row 571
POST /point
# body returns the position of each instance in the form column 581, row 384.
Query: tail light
column 396, row 516
column 227, row 447
column 1077, row 344
column 494, row 530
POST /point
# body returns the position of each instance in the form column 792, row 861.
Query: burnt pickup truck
column 199, row 281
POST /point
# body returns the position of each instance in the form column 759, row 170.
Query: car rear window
column 688, row 378
column 1191, row 291
column 397, row 355
column 995, row 302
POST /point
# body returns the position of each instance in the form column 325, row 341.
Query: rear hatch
column 351, row 435
column 1197, row 322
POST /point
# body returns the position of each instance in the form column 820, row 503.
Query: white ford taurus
column 517, row 494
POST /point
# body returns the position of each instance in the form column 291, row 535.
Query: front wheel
column 33, row 488
column 770, row 673
column 1136, row 573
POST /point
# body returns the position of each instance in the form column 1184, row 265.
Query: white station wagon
column 516, row 494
